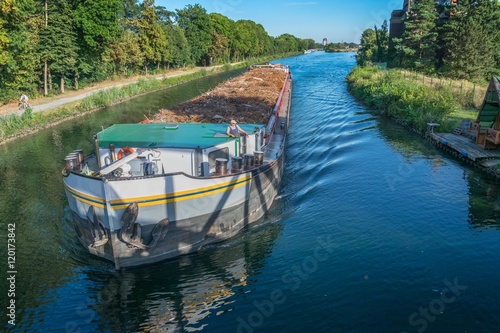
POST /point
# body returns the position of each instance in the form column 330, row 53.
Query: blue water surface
column 374, row 230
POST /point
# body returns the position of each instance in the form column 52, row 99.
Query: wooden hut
column 487, row 124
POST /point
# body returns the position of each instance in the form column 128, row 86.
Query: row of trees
column 460, row 40
column 47, row 45
column 341, row 47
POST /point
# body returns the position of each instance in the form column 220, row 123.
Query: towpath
column 48, row 103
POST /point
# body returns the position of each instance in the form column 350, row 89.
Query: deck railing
column 493, row 136
column 474, row 127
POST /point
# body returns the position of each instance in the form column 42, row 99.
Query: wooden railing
column 474, row 127
column 493, row 136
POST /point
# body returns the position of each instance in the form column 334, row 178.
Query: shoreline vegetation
column 410, row 101
column 17, row 126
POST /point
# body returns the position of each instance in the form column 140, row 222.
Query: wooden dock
column 467, row 148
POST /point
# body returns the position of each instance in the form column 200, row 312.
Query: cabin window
column 220, row 153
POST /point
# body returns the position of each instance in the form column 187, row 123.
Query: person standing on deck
column 234, row 130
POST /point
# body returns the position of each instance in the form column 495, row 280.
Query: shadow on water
column 400, row 211
column 177, row 295
column 31, row 189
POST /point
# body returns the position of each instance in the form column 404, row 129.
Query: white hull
column 144, row 219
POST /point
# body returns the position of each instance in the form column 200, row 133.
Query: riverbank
column 15, row 124
column 433, row 112
column 368, row 218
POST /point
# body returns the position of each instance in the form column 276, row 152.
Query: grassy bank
column 413, row 103
column 13, row 126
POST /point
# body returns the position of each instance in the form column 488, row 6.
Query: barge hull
column 189, row 235
column 138, row 220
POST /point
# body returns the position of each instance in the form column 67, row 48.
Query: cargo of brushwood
column 248, row 98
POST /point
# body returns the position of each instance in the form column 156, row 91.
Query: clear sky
column 336, row 20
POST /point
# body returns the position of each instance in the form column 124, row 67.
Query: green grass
column 413, row 103
column 13, row 125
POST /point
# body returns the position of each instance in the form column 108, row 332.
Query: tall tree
column 126, row 54
column 6, row 8
column 97, row 22
column 152, row 37
column 263, row 40
column 286, row 43
column 58, row 41
column 222, row 35
column 18, row 40
column 472, row 40
column 395, row 52
column 382, row 40
column 195, row 22
column 419, row 38
column 368, row 48
column 246, row 38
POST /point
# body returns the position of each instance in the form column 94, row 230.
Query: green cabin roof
column 184, row 135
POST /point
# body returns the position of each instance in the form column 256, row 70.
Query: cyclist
column 23, row 101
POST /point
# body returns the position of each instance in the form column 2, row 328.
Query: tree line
column 459, row 40
column 341, row 47
column 48, row 45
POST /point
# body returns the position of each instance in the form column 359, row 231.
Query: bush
column 412, row 103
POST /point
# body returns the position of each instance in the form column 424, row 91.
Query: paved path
column 61, row 99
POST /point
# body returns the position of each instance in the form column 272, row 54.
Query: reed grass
column 411, row 102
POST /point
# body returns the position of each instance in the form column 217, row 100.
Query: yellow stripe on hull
column 160, row 199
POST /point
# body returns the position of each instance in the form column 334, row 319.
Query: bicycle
column 24, row 105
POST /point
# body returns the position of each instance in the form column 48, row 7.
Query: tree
column 286, row 43
column 125, row 54
column 264, row 43
column 368, row 48
column 395, row 52
column 58, row 41
column 382, row 41
column 222, row 36
column 152, row 36
column 246, row 39
column 195, row 22
column 5, row 8
column 18, row 40
column 472, row 40
column 419, row 38
column 310, row 44
column 180, row 49
column 97, row 23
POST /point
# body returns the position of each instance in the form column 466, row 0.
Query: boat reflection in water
column 184, row 293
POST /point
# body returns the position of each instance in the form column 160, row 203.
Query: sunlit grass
column 13, row 125
column 413, row 102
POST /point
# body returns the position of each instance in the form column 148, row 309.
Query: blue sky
column 336, row 20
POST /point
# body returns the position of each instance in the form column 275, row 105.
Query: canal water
column 374, row 230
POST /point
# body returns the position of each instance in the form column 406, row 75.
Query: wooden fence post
column 474, row 95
